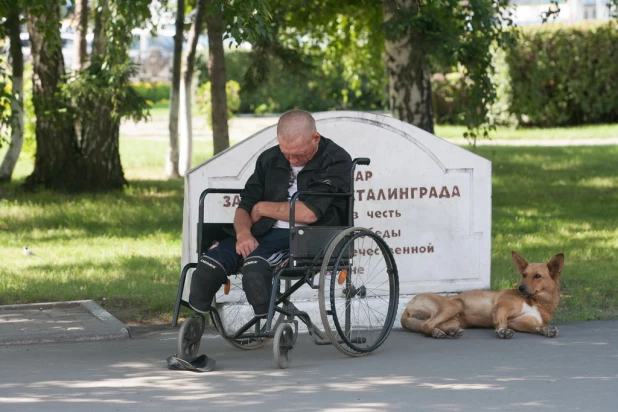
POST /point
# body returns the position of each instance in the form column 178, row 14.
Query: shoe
column 201, row 363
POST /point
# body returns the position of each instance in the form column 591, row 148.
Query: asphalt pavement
column 577, row 371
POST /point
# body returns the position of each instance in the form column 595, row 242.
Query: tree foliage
column 350, row 35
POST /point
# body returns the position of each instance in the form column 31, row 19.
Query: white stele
column 429, row 199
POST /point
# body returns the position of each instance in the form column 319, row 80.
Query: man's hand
column 245, row 244
column 256, row 212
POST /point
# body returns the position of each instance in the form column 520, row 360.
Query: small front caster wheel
column 189, row 338
column 283, row 342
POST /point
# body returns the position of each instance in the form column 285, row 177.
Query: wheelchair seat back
column 306, row 242
column 211, row 233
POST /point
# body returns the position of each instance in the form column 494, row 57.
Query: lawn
column 597, row 131
column 560, row 199
column 123, row 249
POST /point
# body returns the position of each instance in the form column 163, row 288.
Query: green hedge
column 154, row 92
column 565, row 75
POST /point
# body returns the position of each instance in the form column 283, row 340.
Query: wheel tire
column 283, row 342
column 189, row 338
column 350, row 321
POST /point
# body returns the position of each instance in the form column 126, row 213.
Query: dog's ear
column 555, row 265
column 520, row 263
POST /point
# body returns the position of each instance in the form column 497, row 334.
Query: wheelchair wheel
column 234, row 314
column 190, row 336
column 283, row 342
column 358, row 291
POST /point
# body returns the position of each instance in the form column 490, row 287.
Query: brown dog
column 529, row 308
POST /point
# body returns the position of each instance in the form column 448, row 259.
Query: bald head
column 298, row 139
column 296, row 124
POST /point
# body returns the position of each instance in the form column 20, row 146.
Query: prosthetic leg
column 207, row 279
column 257, row 283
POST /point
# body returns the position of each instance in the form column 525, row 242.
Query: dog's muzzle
column 523, row 291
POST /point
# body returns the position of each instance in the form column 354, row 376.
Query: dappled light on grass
column 561, row 199
column 103, row 246
column 599, row 182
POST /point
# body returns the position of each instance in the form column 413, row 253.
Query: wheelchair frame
column 306, row 261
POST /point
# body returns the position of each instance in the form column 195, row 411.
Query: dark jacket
column 329, row 171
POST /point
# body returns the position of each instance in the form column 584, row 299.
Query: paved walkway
column 58, row 322
column 578, row 371
column 242, row 127
column 157, row 129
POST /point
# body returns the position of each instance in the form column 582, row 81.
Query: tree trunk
column 171, row 164
column 408, row 71
column 100, row 168
column 17, row 102
column 186, row 144
column 54, row 165
column 99, row 40
column 99, row 163
column 80, row 50
column 216, row 69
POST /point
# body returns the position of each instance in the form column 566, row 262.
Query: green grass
column 560, row 199
column 120, row 249
column 123, row 249
column 161, row 109
column 600, row 131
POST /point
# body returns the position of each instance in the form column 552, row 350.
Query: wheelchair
column 352, row 269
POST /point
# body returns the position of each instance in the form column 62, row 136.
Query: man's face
column 301, row 150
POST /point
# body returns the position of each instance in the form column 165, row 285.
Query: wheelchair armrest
column 295, row 196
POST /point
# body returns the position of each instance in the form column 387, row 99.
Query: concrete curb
column 51, row 323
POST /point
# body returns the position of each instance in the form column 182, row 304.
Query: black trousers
column 221, row 261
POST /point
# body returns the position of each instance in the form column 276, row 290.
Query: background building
column 530, row 11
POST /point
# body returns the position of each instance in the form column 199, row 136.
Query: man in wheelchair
column 303, row 161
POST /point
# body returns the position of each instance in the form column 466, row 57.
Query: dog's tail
column 413, row 321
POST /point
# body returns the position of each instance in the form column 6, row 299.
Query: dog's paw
column 549, row 331
column 504, row 333
column 456, row 332
column 438, row 334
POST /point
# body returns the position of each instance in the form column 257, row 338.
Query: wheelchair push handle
column 363, row 161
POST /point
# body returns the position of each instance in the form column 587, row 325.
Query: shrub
column 448, row 97
column 153, row 91
column 565, row 75
column 204, row 100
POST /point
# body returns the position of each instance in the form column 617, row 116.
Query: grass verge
column 597, row 131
